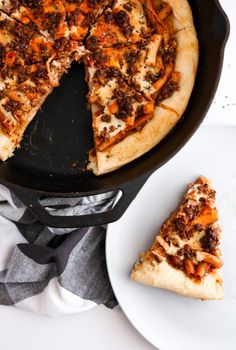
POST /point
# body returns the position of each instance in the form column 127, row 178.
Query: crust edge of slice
column 165, row 276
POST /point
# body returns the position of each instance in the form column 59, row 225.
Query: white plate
column 165, row 319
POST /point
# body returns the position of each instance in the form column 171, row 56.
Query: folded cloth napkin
column 53, row 271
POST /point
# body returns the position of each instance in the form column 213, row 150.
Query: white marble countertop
column 223, row 108
column 101, row 328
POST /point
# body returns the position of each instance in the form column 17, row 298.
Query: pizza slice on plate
column 185, row 257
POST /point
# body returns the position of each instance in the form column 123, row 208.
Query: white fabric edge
column 56, row 301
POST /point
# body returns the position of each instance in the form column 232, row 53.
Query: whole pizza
column 140, row 59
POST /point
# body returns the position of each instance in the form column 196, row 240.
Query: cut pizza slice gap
column 185, row 257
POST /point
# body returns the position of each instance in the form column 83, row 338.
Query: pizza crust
column 7, row 146
column 166, row 116
column 182, row 14
column 165, row 276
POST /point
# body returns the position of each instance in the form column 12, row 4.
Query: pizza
column 185, row 256
column 140, row 60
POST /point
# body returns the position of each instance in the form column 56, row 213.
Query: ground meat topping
column 92, row 43
column 98, row 58
column 12, row 106
column 40, row 74
column 33, row 4
column 176, row 261
column 52, row 20
column 132, row 56
column 210, row 240
column 126, row 107
column 186, row 252
column 72, row 17
column 106, row 118
column 125, row 104
column 104, row 135
column 128, row 7
column 2, row 55
column 88, row 20
column 167, row 91
column 108, row 16
column 168, row 52
column 139, row 112
column 151, row 77
column 123, row 21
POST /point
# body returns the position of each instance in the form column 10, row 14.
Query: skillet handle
column 129, row 192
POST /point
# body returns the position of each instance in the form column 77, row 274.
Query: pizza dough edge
column 165, row 276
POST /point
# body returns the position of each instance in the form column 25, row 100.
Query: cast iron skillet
column 56, row 143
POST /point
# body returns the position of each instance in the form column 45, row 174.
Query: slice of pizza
column 126, row 22
column 21, row 99
column 117, row 108
column 159, row 62
column 185, row 257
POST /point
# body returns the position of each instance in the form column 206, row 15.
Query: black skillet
column 56, row 143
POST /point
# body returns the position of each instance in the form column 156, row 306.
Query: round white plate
column 167, row 320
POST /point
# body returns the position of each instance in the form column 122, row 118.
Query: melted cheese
column 5, row 38
column 152, row 50
column 115, row 122
column 136, row 15
column 105, row 93
column 142, row 84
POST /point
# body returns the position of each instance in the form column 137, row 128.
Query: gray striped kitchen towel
column 53, row 271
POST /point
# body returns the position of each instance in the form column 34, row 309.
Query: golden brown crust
column 136, row 144
column 182, row 14
column 165, row 276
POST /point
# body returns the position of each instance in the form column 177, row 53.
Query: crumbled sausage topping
column 210, row 240
column 123, row 21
